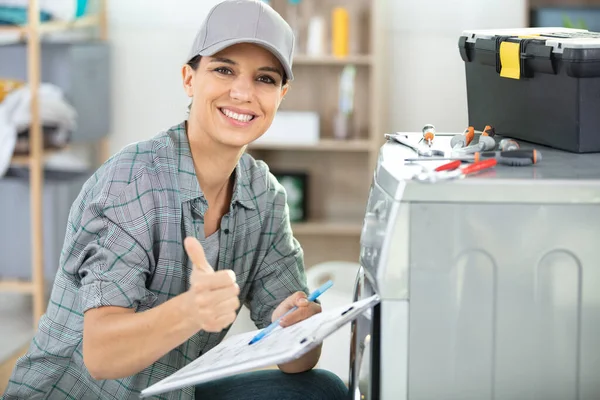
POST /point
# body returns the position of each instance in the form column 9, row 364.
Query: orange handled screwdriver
column 464, row 139
column 515, row 158
column 488, row 131
column 428, row 134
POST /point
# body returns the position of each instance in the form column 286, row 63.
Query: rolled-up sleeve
column 110, row 254
column 281, row 272
column 116, row 272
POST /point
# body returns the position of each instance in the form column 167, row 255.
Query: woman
column 138, row 296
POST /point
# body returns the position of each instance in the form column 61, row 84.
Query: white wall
column 151, row 39
column 428, row 80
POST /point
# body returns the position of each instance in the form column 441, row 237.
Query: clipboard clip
column 306, row 339
column 348, row 310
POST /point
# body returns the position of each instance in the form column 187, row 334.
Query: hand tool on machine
column 452, row 171
column 508, row 145
column 488, row 131
column 485, row 143
column 463, row 140
column 403, row 140
column 515, row 158
column 428, row 134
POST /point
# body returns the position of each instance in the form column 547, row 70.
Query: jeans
column 275, row 385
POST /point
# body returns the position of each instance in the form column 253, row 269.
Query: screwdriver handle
column 488, row 131
column 469, row 135
column 512, row 157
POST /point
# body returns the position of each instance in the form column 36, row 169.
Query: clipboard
column 234, row 355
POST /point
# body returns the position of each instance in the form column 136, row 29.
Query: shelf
column 16, row 286
column 564, row 3
column 359, row 59
column 23, row 161
column 326, row 228
column 355, row 145
column 56, row 26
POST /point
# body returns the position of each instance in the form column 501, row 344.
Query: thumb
column 300, row 299
column 196, row 253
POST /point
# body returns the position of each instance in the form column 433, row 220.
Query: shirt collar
column 188, row 182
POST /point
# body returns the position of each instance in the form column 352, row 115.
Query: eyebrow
column 231, row 62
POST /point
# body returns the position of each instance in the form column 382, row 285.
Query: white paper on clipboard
column 234, row 355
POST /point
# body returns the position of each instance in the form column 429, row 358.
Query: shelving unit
column 532, row 6
column 339, row 171
column 32, row 34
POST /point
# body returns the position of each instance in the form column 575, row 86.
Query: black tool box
column 540, row 85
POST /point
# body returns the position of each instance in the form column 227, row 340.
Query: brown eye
column 267, row 79
column 223, row 70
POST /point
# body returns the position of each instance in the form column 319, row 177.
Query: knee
column 328, row 383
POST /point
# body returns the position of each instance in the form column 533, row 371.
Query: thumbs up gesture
column 212, row 296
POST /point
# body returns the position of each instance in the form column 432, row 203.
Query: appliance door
column 364, row 345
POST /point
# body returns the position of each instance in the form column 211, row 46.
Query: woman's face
column 235, row 93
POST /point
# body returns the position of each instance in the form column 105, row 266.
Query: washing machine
column 489, row 284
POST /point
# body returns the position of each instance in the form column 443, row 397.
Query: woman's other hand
column 305, row 309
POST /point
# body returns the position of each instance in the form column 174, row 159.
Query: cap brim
column 215, row 48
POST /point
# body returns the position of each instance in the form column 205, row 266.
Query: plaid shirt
column 123, row 247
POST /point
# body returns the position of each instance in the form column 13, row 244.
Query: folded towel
column 18, row 15
column 15, row 117
column 64, row 10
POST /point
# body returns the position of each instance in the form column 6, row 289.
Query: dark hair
column 195, row 61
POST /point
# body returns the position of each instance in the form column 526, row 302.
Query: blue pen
column 312, row 297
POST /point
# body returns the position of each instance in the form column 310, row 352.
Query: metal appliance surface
column 488, row 284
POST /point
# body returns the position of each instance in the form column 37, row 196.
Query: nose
column 242, row 89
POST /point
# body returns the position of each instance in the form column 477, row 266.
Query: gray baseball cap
column 245, row 21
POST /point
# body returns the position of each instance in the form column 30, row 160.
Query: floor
column 16, row 332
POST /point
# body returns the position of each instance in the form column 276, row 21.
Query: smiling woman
column 173, row 234
column 236, row 93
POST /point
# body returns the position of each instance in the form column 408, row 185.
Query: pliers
column 403, row 140
column 452, row 170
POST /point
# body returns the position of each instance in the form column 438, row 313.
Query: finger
column 196, row 253
column 296, row 299
column 301, row 314
column 220, row 323
column 214, row 297
column 226, row 319
column 301, row 299
column 227, row 306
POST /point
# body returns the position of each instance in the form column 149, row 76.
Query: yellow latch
column 510, row 60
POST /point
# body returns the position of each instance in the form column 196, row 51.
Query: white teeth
column 236, row 116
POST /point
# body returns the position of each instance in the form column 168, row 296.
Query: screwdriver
column 485, row 143
column 515, row 158
column 508, row 144
column 464, row 139
column 488, row 131
column 428, row 134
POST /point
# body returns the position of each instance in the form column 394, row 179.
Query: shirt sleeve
column 110, row 251
column 281, row 272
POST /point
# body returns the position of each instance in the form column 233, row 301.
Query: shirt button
column 226, row 231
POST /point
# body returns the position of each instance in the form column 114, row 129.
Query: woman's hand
column 212, row 296
column 305, row 309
